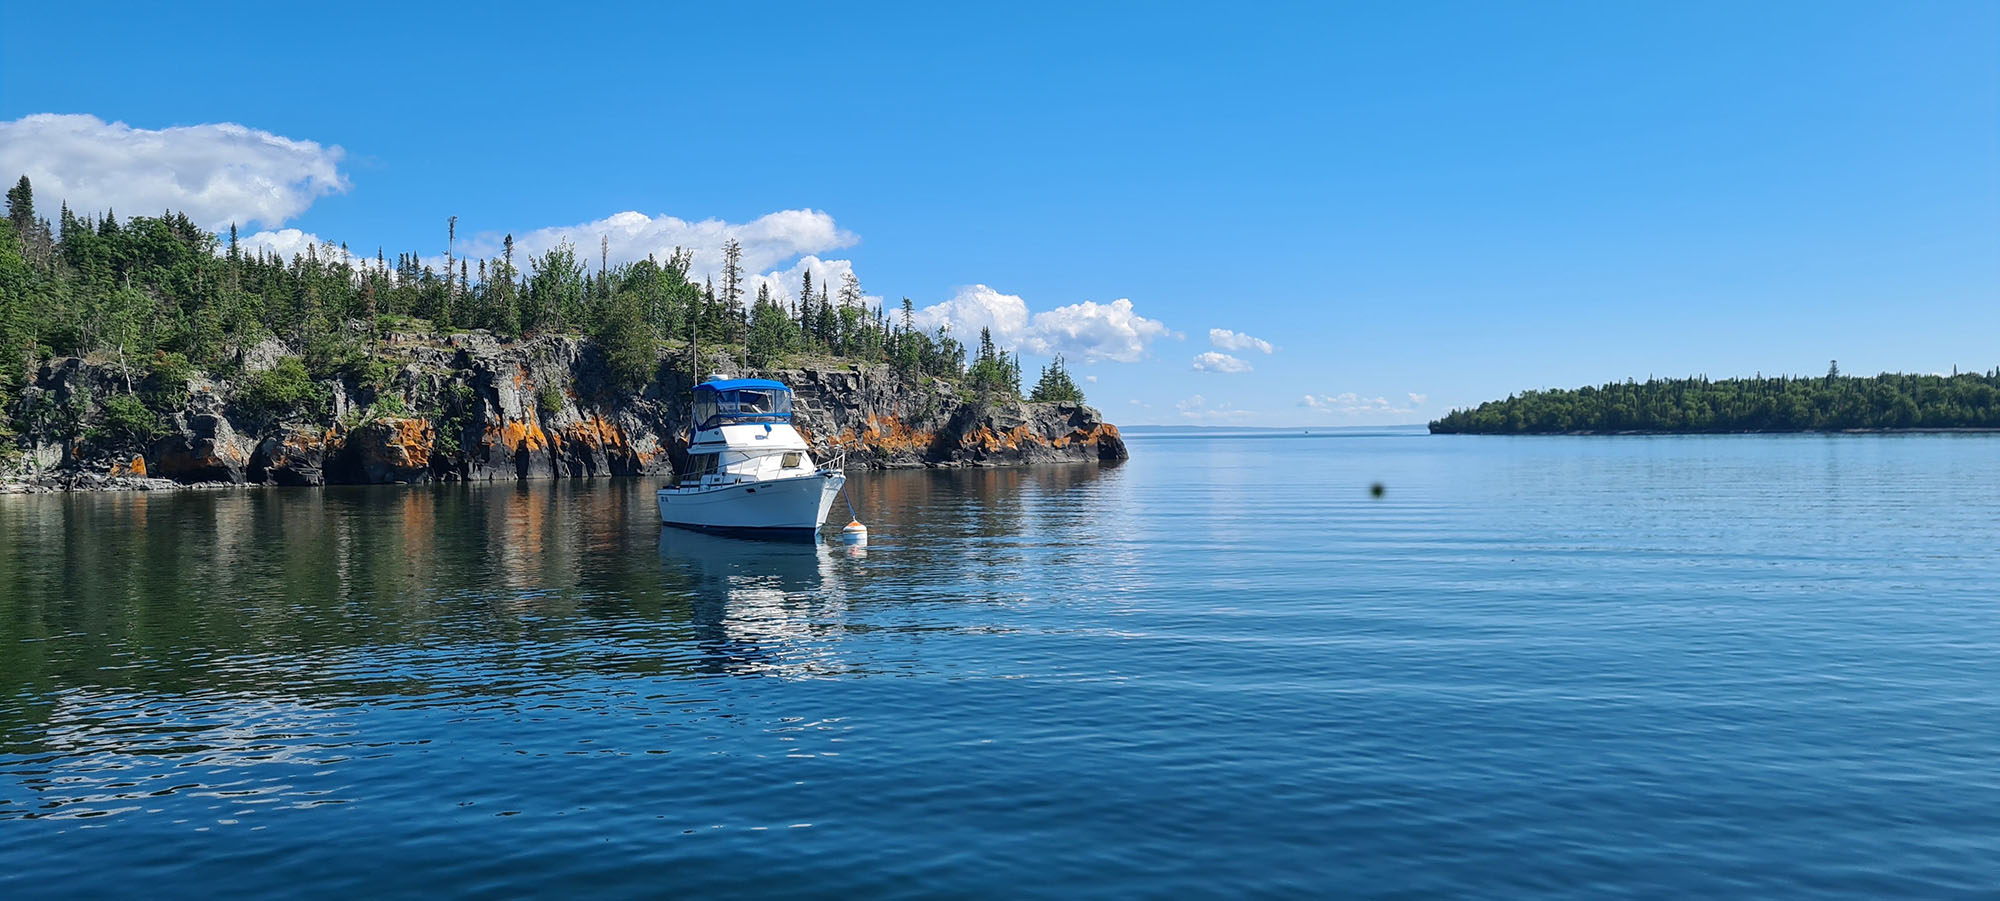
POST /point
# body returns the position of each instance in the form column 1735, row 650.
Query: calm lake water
column 1698, row 666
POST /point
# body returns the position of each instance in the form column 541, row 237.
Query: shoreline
column 91, row 483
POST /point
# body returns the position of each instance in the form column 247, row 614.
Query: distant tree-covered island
column 1829, row 403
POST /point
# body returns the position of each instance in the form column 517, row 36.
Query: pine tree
column 806, row 319
column 21, row 206
column 850, row 290
column 826, row 323
column 627, row 341
column 772, row 334
column 732, row 295
column 993, row 372
column 1056, row 385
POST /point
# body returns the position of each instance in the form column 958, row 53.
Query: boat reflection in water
column 768, row 606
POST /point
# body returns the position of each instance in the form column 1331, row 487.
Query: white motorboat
column 749, row 469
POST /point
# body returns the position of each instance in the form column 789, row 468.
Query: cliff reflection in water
column 199, row 612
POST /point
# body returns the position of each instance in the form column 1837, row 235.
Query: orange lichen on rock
column 512, row 436
column 597, row 433
column 1088, row 437
column 407, row 444
column 135, row 468
column 890, row 435
column 882, row 434
column 300, row 445
column 985, row 439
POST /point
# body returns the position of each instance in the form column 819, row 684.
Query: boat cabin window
column 700, row 465
column 752, row 402
column 792, row 459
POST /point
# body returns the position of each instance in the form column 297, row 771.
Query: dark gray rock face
column 883, row 421
column 202, row 447
column 469, row 408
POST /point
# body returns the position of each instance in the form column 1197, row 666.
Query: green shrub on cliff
column 548, row 398
column 127, row 419
column 166, row 379
column 282, row 390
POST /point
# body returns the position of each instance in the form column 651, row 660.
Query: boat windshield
column 716, row 407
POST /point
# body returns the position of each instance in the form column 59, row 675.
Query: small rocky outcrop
column 467, row 407
column 293, row 455
column 882, row 421
column 202, row 447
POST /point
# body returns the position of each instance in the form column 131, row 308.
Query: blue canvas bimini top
column 728, row 401
column 735, row 384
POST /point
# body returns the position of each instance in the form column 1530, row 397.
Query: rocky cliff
column 469, row 408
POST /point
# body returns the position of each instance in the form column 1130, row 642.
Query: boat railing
column 835, row 463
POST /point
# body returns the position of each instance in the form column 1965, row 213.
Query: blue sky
column 1416, row 205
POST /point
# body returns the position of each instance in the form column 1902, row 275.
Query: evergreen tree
column 506, row 302
column 993, row 372
column 732, row 290
column 37, row 242
column 772, row 333
column 1056, row 385
column 826, row 324
column 18, row 316
column 627, row 340
column 21, row 208
column 555, row 290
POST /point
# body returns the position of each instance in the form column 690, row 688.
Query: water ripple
column 1733, row 666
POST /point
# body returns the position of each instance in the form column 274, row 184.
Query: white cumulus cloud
column 1214, row 361
column 976, row 307
column 286, row 243
column 1089, row 330
column 768, row 241
column 1228, row 340
column 217, row 174
column 1417, row 400
column 785, row 284
column 1095, row 331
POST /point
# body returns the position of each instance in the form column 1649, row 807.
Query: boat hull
column 773, row 506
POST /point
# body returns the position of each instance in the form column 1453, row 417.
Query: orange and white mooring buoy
column 855, row 532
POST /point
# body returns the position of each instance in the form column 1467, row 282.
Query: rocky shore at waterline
column 467, row 407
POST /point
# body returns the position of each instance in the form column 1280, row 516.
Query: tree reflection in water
column 289, row 629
